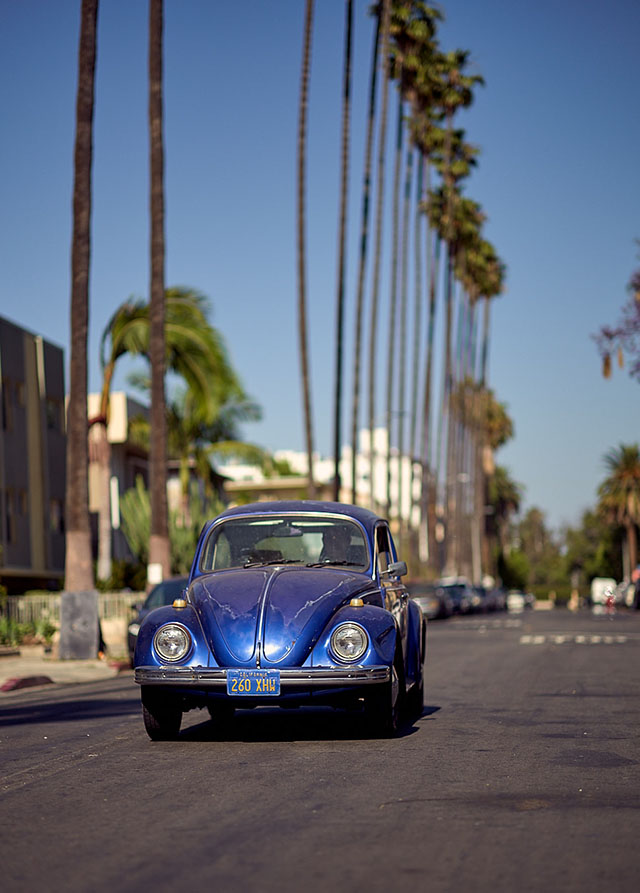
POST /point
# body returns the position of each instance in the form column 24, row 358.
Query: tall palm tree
column 344, row 184
column 78, row 559
column 364, row 239
column 375, row 278
column 302, row 259
column 619, row 495
column 159, row 545
column 414, row 48
column 393, row 293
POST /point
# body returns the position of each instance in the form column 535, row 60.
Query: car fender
column 145, row 654
column 379, row 626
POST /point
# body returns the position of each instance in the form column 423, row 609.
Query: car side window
column 383, row 548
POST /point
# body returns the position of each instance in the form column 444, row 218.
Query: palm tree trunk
column 364, row 236
column 393, row 299
column 344, row 183
column 302, row 275
column 78, row 558
column 414, row 446
column 428, row 495
column 373, row 329
column 402, row 347
column 159, row 549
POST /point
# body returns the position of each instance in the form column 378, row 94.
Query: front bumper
column 215, row 678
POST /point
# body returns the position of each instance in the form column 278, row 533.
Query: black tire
column 383, row 706
column 162, row 715
column 415, row 699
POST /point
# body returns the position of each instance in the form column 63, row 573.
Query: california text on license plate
column 253, row 682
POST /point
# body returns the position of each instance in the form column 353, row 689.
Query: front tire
column 382, row 707
column 162, row 714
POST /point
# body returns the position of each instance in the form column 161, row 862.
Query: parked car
column 517, row 601
column 460, row 596
column 288, row 603
column 162, row 594
column 434, row 601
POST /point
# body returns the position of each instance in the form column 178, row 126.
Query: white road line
column 576, row 639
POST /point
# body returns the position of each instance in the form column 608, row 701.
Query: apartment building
column 32, row 459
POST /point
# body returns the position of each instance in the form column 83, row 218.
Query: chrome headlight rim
column 188, row 642
column 340, row 630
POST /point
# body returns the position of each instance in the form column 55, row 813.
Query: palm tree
column 159, row 545
column 302, row 260
column 505, row 496
column 193, row 442
column 344, row 181
column 194, row 351
column 78, row 559
column 375, row 279
column 619, row 496
column 364, row 236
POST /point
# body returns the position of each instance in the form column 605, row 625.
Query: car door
column 393, row 590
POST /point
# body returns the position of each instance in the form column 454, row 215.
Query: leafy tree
column 135, row 508
column 593, row 549
column 619, row 495
column 504, row 497
column 542, row 549
column 194, row 443
column 624, row 337
column 513, row 569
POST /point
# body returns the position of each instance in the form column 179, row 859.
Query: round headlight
column 349, row 641
column 172, row 642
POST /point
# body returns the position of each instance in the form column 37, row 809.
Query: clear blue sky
column 558, row 177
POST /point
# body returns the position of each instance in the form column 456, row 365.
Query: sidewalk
column 29, row 667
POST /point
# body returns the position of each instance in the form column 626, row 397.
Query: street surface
column 522, row 775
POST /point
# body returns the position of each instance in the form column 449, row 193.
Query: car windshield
column 288, row 539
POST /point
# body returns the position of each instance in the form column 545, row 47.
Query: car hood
column 274, row 613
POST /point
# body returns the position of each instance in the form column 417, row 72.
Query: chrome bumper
column 216, row 678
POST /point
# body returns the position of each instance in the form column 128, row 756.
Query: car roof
column 367, row 518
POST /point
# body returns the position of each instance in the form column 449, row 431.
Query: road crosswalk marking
column 577, row 639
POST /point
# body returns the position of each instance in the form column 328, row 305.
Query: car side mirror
column 395, row 569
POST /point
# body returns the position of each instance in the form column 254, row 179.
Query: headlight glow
column 349, row 641
column 172, row 641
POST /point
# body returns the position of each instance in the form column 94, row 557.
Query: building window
column 20, row 394
column 7, row 414
column 56, row 516
column 10, row 515
column 54, row 414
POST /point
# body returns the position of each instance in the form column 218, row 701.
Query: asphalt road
column 522, row 774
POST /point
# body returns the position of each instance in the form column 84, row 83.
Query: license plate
column 253, row 682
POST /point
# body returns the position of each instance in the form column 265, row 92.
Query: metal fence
column 46, row 606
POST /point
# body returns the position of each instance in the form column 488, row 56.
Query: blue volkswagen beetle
column 288, row 604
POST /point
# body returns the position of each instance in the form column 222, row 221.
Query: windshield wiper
column 332, row 562
column 272, row 561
